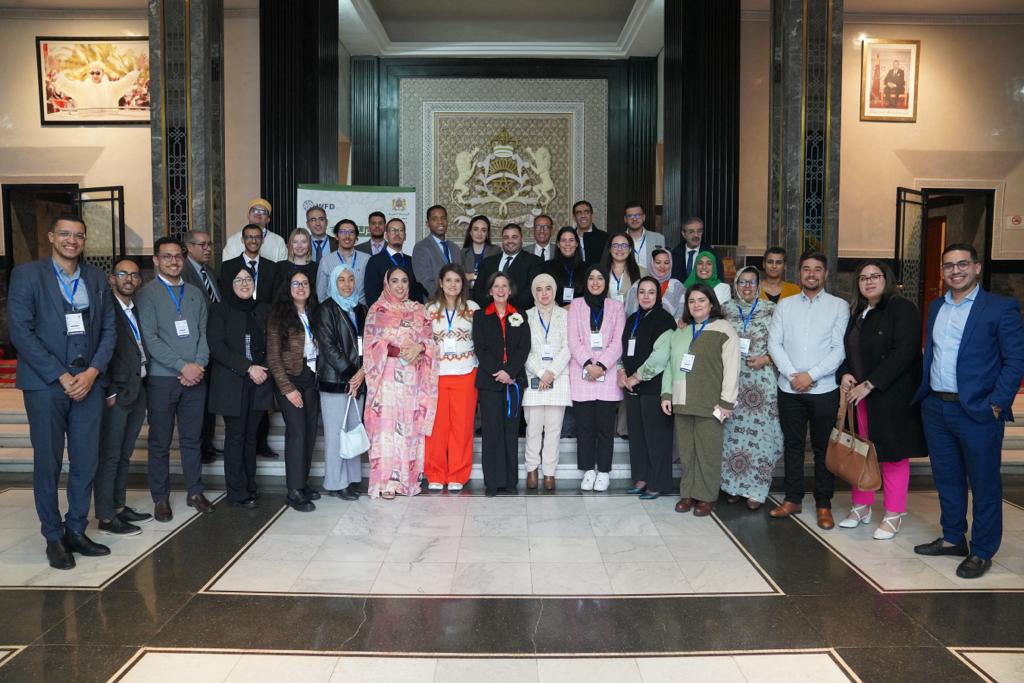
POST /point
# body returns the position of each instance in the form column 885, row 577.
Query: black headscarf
column 255, row 319
column 595, row 301
column 657, row 292
column 231, row 299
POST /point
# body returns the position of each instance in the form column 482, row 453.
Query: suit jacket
column 229, row 367
column 428, row 259
column 990, row 363
column 679, row 270
column 190, row 275
column 651, row 241
column 332, row 245
column 377, row 268
column 124, row 372
column 365, row 248
column 35, row 315
column 491, row 349
column 522, row 271
column 266, row 269
column 594, row 241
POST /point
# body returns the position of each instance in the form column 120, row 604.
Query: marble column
column 186, row 42
column 803, row 182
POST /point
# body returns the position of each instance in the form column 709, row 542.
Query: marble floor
column 892, row 566
column 470, row 545
column 997, row 665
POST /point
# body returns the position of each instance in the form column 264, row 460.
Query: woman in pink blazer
column 595, row 342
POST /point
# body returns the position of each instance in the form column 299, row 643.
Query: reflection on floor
column 822, row 666
column 471, row 545
column 22, row 548
column 892, row 565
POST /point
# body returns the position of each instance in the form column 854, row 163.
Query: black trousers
column 650, row 441
column 300, row 428
column 595, row 431
column 240, row 447
column 120, row 428
column 168, row 400
column 797, row 413
column 499, row 439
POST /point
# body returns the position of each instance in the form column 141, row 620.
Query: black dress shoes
column 247, row 503
column 973, row 567
column 208, row 457
column 81, row 544
column 59, row 556
column 311, row 493
column 200, row 503
column 354, row 490
column 132, row 517
column 938, row 547
column 118, row 527
column 162, row 511
column 298, row 501
column 268, row 453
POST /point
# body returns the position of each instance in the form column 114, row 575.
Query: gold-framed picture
column 889, row 79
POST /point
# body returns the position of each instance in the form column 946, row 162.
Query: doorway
column 28, row 211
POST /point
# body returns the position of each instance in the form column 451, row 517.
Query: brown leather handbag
column 851, row 457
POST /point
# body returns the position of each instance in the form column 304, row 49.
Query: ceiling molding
column 634, row 23
column 934, row 19
column 77, row 13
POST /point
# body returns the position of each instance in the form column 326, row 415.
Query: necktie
column 447, row 254
column 319, row 247
column 689, row 260
column 508, row 261
column 210, row 291
column 543, row 253
column 252, row 267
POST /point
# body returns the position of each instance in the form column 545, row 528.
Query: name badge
column 547, row 352
column 448, row 346
column 567, row 294
column 359, row 343
column 596, row 343
column 181, row 327
column 311, row 364
column 687, row 364
column 744, row 346
column 75, row 323
column 619, row 297
column 631, row 347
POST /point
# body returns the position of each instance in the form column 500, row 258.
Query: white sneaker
column 434, row 486
column 859, row 514
column 889, row 527
column 454, row 487
column 602, row 481
column 588, row 480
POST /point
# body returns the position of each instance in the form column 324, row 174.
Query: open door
column 102, row 209
column 911, row 210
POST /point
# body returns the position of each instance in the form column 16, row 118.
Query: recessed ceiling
column 912, row 6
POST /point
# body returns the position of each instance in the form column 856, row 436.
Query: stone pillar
column 803, row 180
column 186, row 43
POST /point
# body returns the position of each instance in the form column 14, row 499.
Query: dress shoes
column 973, row 567
column 354, row 489
column 118, row 527
column 344, row 494
column 531, row 479
column 730, row 499
column 703, row 508
column 247, row 503
column 638, row 488
column 785, row 510
column 753, row 505
column 311, row 493
column 200, row 503
column 208, row 457
column 297, row 501
column 684, row 505
column 649, row 495
column 549, row 483
column 83, row 545
column 162, row 511
column 269, row 453
column 825, row 520
column 132, row 517
column 490, row 492
column 59, row 556
column 938, row 547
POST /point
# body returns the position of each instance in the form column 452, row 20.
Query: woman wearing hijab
column 400, row 361
column 477, row 246
column 502, row 340
column 547, row 392
column 239, row 386
column 705, row 271
column 339, row 334
column 650, row 445
column 620, row 262
column 595, row 342
column 753, row 437
column 566, row 267
column 672, row 290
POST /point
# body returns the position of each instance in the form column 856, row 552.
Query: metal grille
column 176, row 85
column 818, row 35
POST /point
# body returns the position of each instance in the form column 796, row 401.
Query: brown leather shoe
column 684, row 505
column 785, row 510
column 549, row 483
column 162, row 511
column 531, row 479
column 703, row 508
column 825, row 520
column 200, row 503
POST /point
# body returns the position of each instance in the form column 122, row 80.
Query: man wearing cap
column 273, row 249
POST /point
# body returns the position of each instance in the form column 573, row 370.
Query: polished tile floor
column 1001, row 666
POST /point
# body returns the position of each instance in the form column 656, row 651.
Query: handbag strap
column 344, row 420
column 841, row 414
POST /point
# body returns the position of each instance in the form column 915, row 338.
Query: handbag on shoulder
column 353, row 442
column 851, row 457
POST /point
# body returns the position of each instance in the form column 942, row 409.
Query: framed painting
column 889, row 79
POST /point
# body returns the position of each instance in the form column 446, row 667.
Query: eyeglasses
column 125, row 275
column 746, row 283
column 633, row 216
column 259, row 211
column 240, row 281
column 300, row 285
column 874, row 277
column 346, row 232
column 959, row 265
column 95, row 73
column 67, row 234
column 620, row 246
column 171, row 257
column 202, row 245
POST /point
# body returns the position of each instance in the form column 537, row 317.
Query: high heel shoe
column 859, row 514
column 889, row 527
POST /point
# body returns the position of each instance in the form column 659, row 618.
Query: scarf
column 711, row 281
column 347, row 303
column 231, row 300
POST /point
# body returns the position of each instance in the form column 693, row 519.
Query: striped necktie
column 208, row 284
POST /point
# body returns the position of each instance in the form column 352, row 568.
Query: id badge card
column 311, row 364
column 75, row 323
column 596, row 343
column 547, row 352
column 744, row 346
column 687, row 364
column 631, row 347
column 181, row 327
column 448, row 346
column 619, row 297
column 567, row 294
column 359, row 343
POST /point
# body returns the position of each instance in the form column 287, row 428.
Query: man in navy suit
column 973, row 363
column 390, row 256
column 62, row 324
column 684, row 254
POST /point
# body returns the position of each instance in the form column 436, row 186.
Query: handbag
column 354, row 442
column 851, row 457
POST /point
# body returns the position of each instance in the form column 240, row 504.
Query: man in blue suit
column 62, row 324
column 390, row 256
column 973, row 363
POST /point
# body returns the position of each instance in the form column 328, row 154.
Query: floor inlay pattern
column 1002, row 665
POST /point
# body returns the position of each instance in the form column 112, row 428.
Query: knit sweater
column 168, row 353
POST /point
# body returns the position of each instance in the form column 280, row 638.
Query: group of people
column 627, row 335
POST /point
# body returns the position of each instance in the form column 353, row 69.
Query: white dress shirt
column 806, row 335
column 543, row 252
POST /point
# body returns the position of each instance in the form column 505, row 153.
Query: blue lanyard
column 641, row 247
column 450, row 318
column 636, row 323
column 177, row 300
column 69, row 292
column 595, row 320
column 477, row 258
column 618, row 282
column 746, row 318
column 568, row 273
column 397, row 264
column 508, row 399
column 355, row 255
column 354, row 319
column 696, row 332
column 546, row 326
column 135, row 330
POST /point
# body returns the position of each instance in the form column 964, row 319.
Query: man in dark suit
column 390, row 256
column 198, row 270
column 373, row 246
column 684, row 254
column 62, row 324
column 321, row 244
column 125, row 408
column 895, row 83
column 521, row 266
column 973, row 363
column 434, row 251
column 592, row 240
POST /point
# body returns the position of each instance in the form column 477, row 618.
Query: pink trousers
column 895, row 475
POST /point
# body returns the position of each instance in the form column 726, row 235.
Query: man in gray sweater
column 172, row 314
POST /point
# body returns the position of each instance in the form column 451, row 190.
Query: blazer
column 266, row 270
column 229, row 368
column 555, row 269
column 377, row 268
column 679, row 270
column 124, row 371
column 594, row 241
column 338, row 342
column 428, row 259
column 190, row 275
column 365, row 248
column 612, row 321
column 38, row 329
column 536, row 366
column 286, row 355
column 523, row 269
column 651, row 241
column 469, row 260
column 491, row 348
column 991, row 358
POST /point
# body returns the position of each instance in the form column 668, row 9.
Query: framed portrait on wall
column 93, row 81
column 889, row 79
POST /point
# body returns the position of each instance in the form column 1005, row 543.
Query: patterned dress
column 753, row 437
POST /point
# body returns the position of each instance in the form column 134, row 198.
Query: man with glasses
column 62, row 323
column 377, row 242
column 377, row 267
column 644, row 241
column 272, row 246
column 321, row 244
column 125, row 410
column 684, row 254
column 198, row 271
column 173, row 317
column 542, row 247
column 592, row 239
column 346, row 233
column 973, row 363
column 773, row 287
column 252, row 259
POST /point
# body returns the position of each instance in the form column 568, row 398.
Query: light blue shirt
column 806, row 335
column 80, row 300
column 440, row 247
column 947, row 332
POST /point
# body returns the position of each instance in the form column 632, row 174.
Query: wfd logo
column 309, row 204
